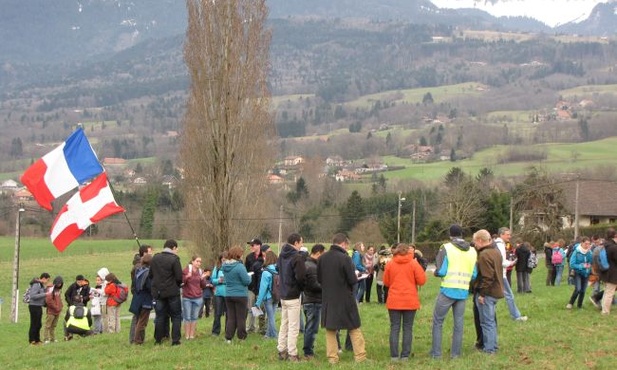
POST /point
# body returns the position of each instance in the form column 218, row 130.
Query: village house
column 346, row 175
column 275, row 180
column 596, row 202
column 8, row 186
column 596, row 205
column 23, row 195
column 293, row 160
column 335, row 161
column 111, row 161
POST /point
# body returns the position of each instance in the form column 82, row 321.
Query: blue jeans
column 312, row 311
column 558, row 273
column 166, row 308
column 442, row 306
column 271, row 312
column 361, row 290
column 407, row 317
column 580, row 285
column 219, row 310
column 507, row 291
column 488, row 324
column 190, row 308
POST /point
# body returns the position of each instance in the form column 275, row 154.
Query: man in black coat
column 339, row 310
column 166, row 274
column 311, row 303
column 254, row 263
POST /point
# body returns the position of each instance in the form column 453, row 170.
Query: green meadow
column 562, row 157
column 552, row 338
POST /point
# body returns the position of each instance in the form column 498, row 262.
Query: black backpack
column 79, row 312
column 275, row 288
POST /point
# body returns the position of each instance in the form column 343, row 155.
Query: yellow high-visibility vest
column 78, row 323
column 460, row 267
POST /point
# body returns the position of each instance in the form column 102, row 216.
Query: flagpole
column 125, row 216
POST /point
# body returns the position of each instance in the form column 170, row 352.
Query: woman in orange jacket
column 402, row 276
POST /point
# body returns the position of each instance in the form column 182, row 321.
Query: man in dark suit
column 339, row 310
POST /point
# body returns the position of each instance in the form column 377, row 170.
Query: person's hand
column 480, row 299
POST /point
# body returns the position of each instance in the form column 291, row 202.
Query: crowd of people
column 321, row 288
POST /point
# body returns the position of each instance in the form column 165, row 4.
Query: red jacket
column 403, row 275
column 53, row 299
column 111, row 290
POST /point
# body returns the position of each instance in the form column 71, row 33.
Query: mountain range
column 42, row 31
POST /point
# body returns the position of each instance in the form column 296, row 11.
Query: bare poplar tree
column 225, row 153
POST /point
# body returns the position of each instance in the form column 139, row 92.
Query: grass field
column 560, row 159
column 553, row 338
column 413, row 96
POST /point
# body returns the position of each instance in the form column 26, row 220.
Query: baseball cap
column 254, row 241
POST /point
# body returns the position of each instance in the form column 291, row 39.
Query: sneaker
column 293, row 358
column 46, row 342
column 228, row 341
column 283, row 356
column 594, row 302
column 309, row 357
column 568, row 306
column 521, row 318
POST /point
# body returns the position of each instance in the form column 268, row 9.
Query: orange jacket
column 111, row 290
column 403, row 275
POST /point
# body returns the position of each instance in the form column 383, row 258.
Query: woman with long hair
column 218, row 281
column 194, row 281
column 266, row 297
column 237, row 281
column 402, row 276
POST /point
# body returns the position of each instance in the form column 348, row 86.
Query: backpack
column 122, row 293
column 603, row 260
column 556, row 257
column 140, row 278
column 78, row 312
column 26, row 298
column 275, row 288
column 532, row 262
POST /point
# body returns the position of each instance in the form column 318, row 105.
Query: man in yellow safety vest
column 455, row 264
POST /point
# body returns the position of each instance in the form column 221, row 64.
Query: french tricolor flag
column 90, row 205
column 61, row 170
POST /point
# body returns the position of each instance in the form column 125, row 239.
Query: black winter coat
column 522, row 256
column 312, row 288
column 166, row 274
column 610, row 276
column 336, row 274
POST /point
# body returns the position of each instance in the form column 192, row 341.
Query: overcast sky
column 551, row 12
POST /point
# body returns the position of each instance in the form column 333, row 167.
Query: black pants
column 219, row 310
column 36, row 323
column 166, row 309
column 369, row 286
column 237, row 309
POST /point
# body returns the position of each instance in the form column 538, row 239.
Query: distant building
column 9, row 185
column 170, row 181
column 140, row 181
column 23, row 195
column 346, row 175
column 335, row 161
column 111, row 161
column 274, row 179
column 293, row 160
column 596, row 205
